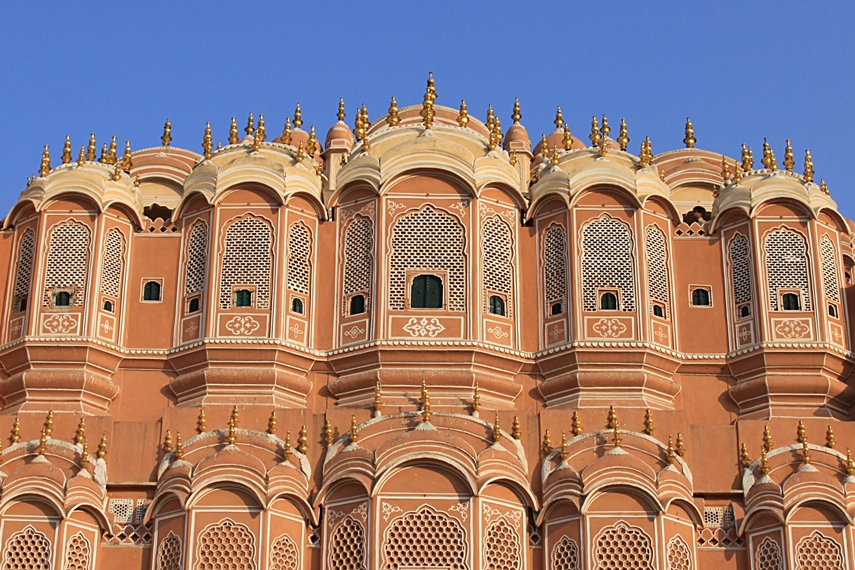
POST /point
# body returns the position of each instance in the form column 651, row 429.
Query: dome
column 339, row 136
column 517, row 138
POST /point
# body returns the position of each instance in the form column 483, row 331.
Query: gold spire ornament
column 612, row 418
column 768, row 444
column 358, row 126
column 16, row 431
column 341, row 115
column 516, row 433
column 850, row 465
column 646, row 155
column 606, row 128
column 595, row 132
column 286, row 131
column 602, row 149
column 559, row 119
column 427, row 112
column 167, row 134
column 365, row 120
column 555, row 158
column 298, row 117
column 272, row 423
column 576, row 424
column 44, row 167
column 769, row 157
column 737, row 173
column 300, row 154
column 66, row 150
column 689, row 140
column 101, row 452
column 354, row 430
column 517, row 115
column 623, row 138
column 490, row 117
column 725, row 169
column 393, row 118
column 42, row 443
column 378, row 400
column 789, row 161
column 800, row 432
column 544, row 146
column 250, row 126
column 91, row 149
column 431, row 87
column 233, row 132
column 568, row 138
column 463, row 114
column 179, row 447
column 476, row 399
column 201, row 422
column 823, row 187
column 563, row 453
column 117, row 172
column 546, row 446
column 764, row 463
column 679, row 448
column 303, row 440
column 49, row 424
column 496, row 134
column 327, row 432
column 261, row 131
column 84, row 455
column 104, row 158
column 233, row 424
column 312, row 143
column 617, row 437
column 111, row 155
column 127, row 162
column 81, row 158
column 426, row 413
column 747, row 159
column 648, row 422
column 80, row 433
column 286, row 448
column 167, row 442
column 497, row 429
column 808, row 175
column 513, row 157
column 207, row 142
column 669, row 451
column 805, row 453
column 744, row 459
column 829, row 438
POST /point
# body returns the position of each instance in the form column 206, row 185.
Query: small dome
column 299, row 136
column 339, row 136
column 517, row 138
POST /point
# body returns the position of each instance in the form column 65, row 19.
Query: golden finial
column 516, row 115
column 312, row 143
column 366, row 144
column 737, row 173
column 623, row 138
column 555, row 157
column 84, row 455
column 340, row 115
column 233, row 132
column 42, row 442
column 80, row 433
column 764, row 463
column 102, row 447
column 559, row 119
column 66, row 150
column 111, row 155
column 233, row 423
column 286, row 131
column 823, row 187
column 250, row 126
column 298, row 117
column 359, row 125
column 690, row 139
column 286, row 449
column 327, row 432
column 476, row 398
column 829, row 438
column 800, row 432
column 808, row 175
column 576, row 424
column 568, row 138
column 393, row 118
column 725, row 168
column 365, row 121
column 669, row 451
column 648, row 423
column 612, row 418
column 606, row 128
column 767, row 439
column 595, row 132
column 805, row 453
column 662, row 174
column 117, row 172
column 81, row 158
column 496, row 133
column 378, row 400
column 207, row 142
column 747, row 159
column 617, row 438
column 44, row 168
column 127, row 162
column 645, row 157
column 769, row 157
column 49, row 424
column 261, row 131
column 850, row 465
column 167, row 442
column 271, row 423
column 426, row 413
column 463, row 114
column 137, row 181
column 490, row 117
column 744, row 459
column 513, row 157
column 179, row 447
column 789, row 161
column 516, row 433
column 431, row 88
column 497, row 429
column 103, row 159
column 16, row 431
column 300, row 154
column 547, row 443
column 563, row 454
column 201, row 422
column 602, row 149
column 167, row 133
column 303, row 441
column 544, row 146
column 91, row 149
column 428, row 112
column 354, row 430
column 679, row 448
column 423, row 395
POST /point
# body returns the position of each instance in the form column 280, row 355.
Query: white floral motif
column 460, row 206
column 333, row 516
column 61, row 323
column 487, row 211
column 490, row 512
column 792, row 329
column 462, row 509
column 192, row 328
column 393, row 207
column 296, row 329
column 242, row 326
column 609, row 328
column 361, row 511
column 661, row 334
column 497, row 332
column 106, row 326
column 353, row 331
column 424, row 327
column 388, row 510
column 557, row 331
column 366, row 210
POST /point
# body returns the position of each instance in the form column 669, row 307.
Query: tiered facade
column 429, row 346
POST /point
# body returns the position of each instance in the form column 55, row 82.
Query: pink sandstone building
column 426, row 343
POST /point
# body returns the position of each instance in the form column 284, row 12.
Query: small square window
column 356, row 305
column 743, row 311
column 61, row 298
column 700, row 296
column 152, row 290
column 659, row 310
column 297, row 306
column 243, row 298
column 608, row 299
column 556, row 308
column 193, row 305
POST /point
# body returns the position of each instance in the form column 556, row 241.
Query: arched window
column 193, row 306
column 830, row 281
column 357, row 304
column 24, row 274
column 67, row 262
column 299, row 252
column 243, row 298
column 607, row 261
column 658, row 311
column 608, row 301
column 700, row 298
column 112, row 264
column 791, row 302
column 787, row 266
column 657, row 269
column 151, row 291
column 108, row 306
column 832, row 311
column 426, row 292
column 496, row 260
column 497, row 305
column 740, row 275
column 745, row 311
column 62, row 299
column 197, row 258
column 247, row 260
column 297, row 305
column 556, row 309
column 555, row 268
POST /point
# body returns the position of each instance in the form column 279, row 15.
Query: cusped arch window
column 426, row 292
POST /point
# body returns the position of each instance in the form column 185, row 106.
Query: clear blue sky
column 741, row 70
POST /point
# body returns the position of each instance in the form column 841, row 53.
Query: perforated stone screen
column 226, row 545
column 284, row 554
column 428, row 240
column 607, row 261
column 358, row 258
column 169, row 555
column 78, row 553
column 197, row 259
column 768, row 556
column 424, row 539
column 67, row 260
column 555, row 265
column 247, row 260
column 496, row 257
column 830, row 280
column 657, row 266
column 787, row 265
column 502, row 547
column 622, row 546
column 679, row 555
column 299, row 253
column 816, row 552
column 740, row 269
column 24, row 273
column 347, row 546
column 565, row 555
column 122, row 509
column 27, row 549
column 112, row 264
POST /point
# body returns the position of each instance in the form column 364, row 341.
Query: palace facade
column 426, row 343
